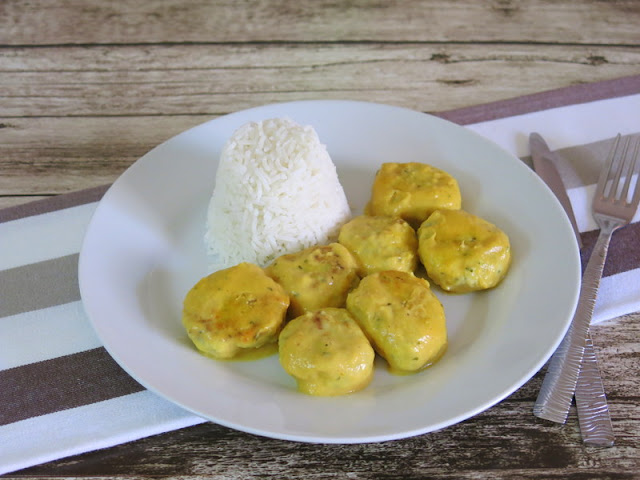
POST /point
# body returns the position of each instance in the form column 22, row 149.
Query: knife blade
column 544, row 164
column 591, row 401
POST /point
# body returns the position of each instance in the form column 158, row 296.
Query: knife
column 544, row 165
column 591, row 402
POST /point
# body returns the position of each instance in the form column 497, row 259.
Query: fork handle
column 591, row 402
column 559, row 384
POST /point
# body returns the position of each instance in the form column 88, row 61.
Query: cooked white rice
column 276, row 192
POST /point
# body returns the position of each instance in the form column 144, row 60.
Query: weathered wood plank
column 215, row 79
column 498, row 442
column 41, row 156
column 41, row 22
column 76, row 117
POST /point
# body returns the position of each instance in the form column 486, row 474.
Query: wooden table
column 87, row 87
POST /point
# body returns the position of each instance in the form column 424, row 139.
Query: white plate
column 144, row 249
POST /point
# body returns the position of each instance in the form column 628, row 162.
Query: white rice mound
column 276, row 192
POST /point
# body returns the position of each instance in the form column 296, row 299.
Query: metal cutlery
column 545, row 168
column 594, row 417
column 612, row 209
column 591, row 401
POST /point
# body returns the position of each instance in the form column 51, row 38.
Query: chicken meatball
column 316, row 277
column 380, row 243
column 327, row 353
column 402, row 318
column 462, row 252
column 412, row 191
column 233, row 310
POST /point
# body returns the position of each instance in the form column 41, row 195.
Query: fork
column 612, row 209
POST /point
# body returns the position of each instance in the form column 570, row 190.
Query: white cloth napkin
column 582, row 136
column 45, row 335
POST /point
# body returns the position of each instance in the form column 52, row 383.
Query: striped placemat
column 62, row 394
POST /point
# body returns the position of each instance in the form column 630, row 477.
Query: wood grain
column 46, row 155
column 76, row 117
column 216, row 79
column 73, row 74
column 42, row 22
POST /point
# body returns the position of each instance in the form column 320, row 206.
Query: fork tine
column 619, row 168
column 619, row 163
column 630, row 173
column 603, row 180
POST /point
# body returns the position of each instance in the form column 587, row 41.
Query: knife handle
column 591, row 402
column 559, row 384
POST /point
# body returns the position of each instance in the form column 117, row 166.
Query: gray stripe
column 623, row 255
column 65, row 382
column 536, row 102
column 39, row 285
column 580, row 165
column 52, row 204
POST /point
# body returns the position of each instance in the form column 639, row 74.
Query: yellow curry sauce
column 380, row 243
column 359, row 295
column 412, row 191
column 402, row 318
column 234, row 310
column 316, row 277
column 327, row 353
column 462, row 252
